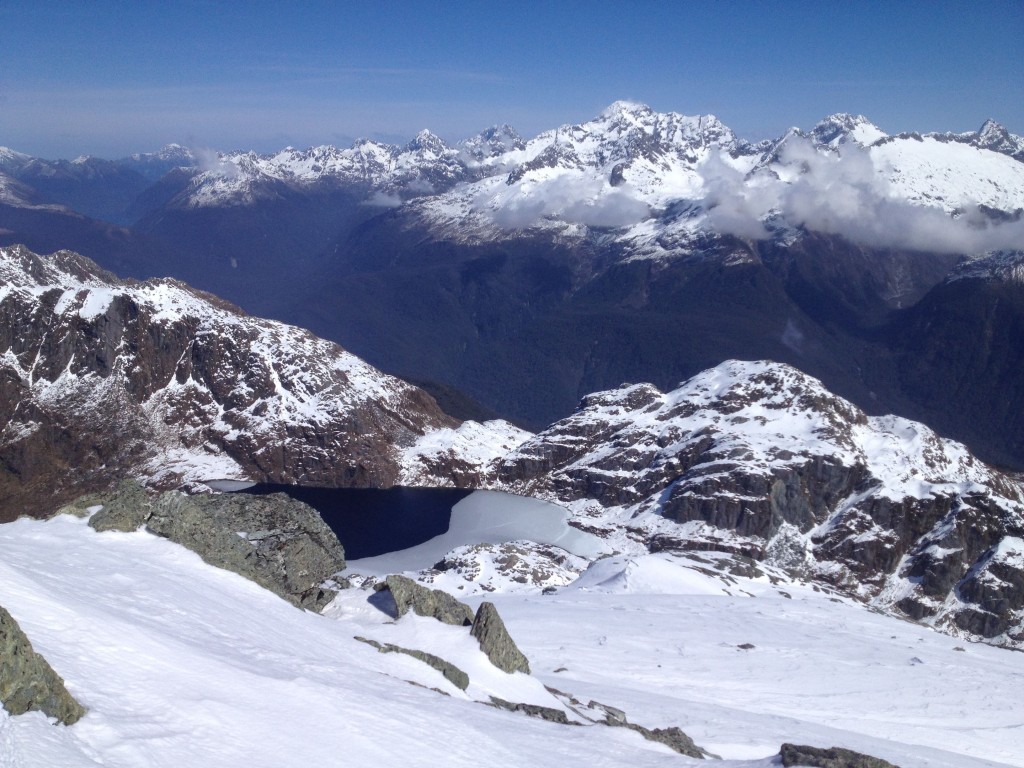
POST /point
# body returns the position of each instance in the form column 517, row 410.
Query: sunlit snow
column 183, row 664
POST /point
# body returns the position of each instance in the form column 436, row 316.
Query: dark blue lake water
column 371, row 521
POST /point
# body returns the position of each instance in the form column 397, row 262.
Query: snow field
column 660, row 639
column 181, row 663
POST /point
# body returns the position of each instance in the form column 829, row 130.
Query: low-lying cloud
column 571, row 199
column 839, row 193
column 842, row 194
column 212, row 161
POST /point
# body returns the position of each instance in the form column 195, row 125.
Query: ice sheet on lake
column 489, row 517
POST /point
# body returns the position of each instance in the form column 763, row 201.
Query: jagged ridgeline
column 760, row 460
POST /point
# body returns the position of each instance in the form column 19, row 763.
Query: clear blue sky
column 109, row 78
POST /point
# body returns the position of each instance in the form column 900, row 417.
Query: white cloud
column 212, row 161
column 592, row 202
column 843, row 194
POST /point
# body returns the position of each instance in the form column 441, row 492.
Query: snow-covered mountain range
column 655, row 179
column 156, row 380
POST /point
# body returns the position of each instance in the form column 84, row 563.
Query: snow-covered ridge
column 658, row 184
column 382, row 173
column 759, row 459
column 630, row 171
column 655, row 185
column 1002, row 266
column 200, row 389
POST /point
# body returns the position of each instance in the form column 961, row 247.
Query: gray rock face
column 775, row 467
column 550, row 714
column 836, row 757
column 27, row 681
column 495, row 641
column 672, row 737
column 433, row 603
column 281, row 544
column 451, row 673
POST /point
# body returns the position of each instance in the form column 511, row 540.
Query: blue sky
column 109, row 78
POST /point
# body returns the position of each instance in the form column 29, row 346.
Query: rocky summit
column 760, row 460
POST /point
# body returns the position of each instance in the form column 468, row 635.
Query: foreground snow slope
column 183, row 664
column 659, row 637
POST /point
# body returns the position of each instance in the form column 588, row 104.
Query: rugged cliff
column 760, row 460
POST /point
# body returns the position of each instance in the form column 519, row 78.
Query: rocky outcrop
column 495, row 641
column 117, row 378
column 486, row 625
column 551, row 714
column 27, row 681
column 277, row 542
column 811, row 757
column 433, row 603
column 672, row 737
column 451, row 673
column 760, row 460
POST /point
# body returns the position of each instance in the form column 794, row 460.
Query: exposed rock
column 495, row 641
column 281, row 544
column 533, row 710
column 672, row 737
column 509, row 566
column 83, row 506
column 127, row 509
column 612, row 715
column 27, row 681
column 433, row 603
column 836, row 757
column 451, row 673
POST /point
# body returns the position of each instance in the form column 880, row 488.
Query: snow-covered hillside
column 759, row 459
column 119, row 378
column 180, row 663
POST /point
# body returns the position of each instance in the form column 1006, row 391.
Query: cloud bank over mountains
column 843, row 193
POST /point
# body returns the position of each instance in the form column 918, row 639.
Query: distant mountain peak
column 626, row 106
column 841, row 127
column 427, row 141
column 995, row 137
column 991, row 128
column 492, row 142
